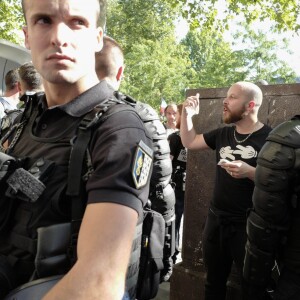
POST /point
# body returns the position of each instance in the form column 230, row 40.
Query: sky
column 292, row 60
column 294, row 45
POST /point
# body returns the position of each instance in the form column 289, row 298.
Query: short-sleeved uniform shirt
column 113, row 151
column 112, row 147
column 232, row 195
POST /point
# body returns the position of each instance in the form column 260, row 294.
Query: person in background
column 179, row 157
column 110, row 67
column 10, row 99
column 110, row 62
column 170, row 114
column 30, row 82
column 273, row 225
column 236, row 148
column 63, row 36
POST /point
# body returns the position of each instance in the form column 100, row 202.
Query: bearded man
column 237, row 147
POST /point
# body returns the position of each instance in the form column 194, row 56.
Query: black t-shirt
column 177, row 150
column 234, row 196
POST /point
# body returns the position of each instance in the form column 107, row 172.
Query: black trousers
column 179, row 209
column 223, row 243
column 288, row 287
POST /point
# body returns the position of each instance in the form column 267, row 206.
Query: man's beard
column 234, row 117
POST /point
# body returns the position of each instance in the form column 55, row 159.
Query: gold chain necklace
column 246, row 138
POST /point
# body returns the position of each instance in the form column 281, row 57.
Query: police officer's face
column 63, row 38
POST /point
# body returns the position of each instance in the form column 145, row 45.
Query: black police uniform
column 273, row 226
column 48, row 134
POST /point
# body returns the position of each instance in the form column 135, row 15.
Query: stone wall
column 281, row 102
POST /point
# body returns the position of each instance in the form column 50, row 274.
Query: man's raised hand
column 192, row 105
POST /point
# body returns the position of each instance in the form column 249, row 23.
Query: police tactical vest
column 285, row 156
column 53, row 198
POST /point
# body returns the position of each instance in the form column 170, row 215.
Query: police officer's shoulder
column 124, row 103
column 287, row 133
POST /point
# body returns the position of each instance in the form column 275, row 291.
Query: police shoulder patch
column 142, row 165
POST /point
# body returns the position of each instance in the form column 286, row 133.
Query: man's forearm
column 187, row 131
column 78, row 286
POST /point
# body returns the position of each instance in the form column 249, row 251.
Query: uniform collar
column 86, row 101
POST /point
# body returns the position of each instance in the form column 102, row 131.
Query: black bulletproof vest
column 53, row 206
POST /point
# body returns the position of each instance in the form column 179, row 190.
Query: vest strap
column 22, row 242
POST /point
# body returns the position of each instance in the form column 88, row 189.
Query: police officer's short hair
column 30, row 76
column 109, row 59
column 11, row 79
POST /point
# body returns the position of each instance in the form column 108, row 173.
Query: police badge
column 142, row 165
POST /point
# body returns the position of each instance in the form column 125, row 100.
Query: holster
column 51, row 262
column 34, row 290
column 52, row 250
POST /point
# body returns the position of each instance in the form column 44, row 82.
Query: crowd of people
column 253, row 216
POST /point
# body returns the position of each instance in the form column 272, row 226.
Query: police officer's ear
column 99, row 39
column 25, row 31
column 19, row 87
column 120, row 73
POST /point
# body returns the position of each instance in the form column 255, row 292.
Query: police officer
column 11, row 94
column 63, row 37
column 273, row 226
column 110, row 67
column 110, row 62
column 30, row 81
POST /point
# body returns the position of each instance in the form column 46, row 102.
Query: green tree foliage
column 11, row 21
column 156, row 66
column 217, row 64
column 260, row 56
column 206, row 13
column 132, row 21
column 213, row 60
column 155, row 70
